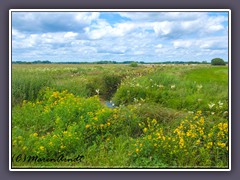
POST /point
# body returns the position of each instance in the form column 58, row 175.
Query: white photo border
column 117, row 10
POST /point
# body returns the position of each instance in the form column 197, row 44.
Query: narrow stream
column 109, row 104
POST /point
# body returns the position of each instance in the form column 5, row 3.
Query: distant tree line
column 112, row 62
column 34, row 62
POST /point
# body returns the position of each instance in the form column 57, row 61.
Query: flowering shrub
column 59, row 122
column 146, row 126
column 196, row 141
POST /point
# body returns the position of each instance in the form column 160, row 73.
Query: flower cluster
column 194, row 141
column 64, row 123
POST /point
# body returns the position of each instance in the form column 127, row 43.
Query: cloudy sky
column 119, row 36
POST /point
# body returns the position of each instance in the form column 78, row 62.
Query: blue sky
column 119, row 36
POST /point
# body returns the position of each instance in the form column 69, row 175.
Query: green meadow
column 119, row 116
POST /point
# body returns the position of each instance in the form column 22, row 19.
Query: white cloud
column 159, row 46
column 86, row 17
column 45, row 39
column 151, row 36
column 70, row 35
column 16, row 34
column 204, row 43
column 104, row 29
column 163, row 28
column 174, row 24
column 182, row 43
column 162, row 16
column 213, row 43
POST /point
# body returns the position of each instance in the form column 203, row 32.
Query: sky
column 119, row 36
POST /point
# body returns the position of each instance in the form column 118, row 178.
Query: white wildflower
column 143, row 100
column 225, row 112
column 211, row 105
column 199, row 86
column 173, row 86
column 97, row 91
column 220, row 103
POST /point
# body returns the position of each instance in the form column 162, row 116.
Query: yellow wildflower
column 199, row 112
column 41, row 148
column 220, row 126
column 209, row 145
column 220, row 134
column 149, row 137
column 201, row 132
column 222, row 145
column 195, row 117
column 194, row 135
column 154, row 121
column 225, row 125
column 145, row 130
column 188, row 133
column 87, row 126
column 202, row 120
column 181, row 143
column 210, row 135
column 198, row 142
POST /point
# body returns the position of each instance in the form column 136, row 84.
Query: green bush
column 156, row 111
column 64, row 123
column 218, row 61
column 134, row 64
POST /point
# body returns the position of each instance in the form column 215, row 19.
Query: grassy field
column 166, row 116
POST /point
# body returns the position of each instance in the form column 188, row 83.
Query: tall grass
column 71, row 125
column 183, row 92
column 166, row 116
column 26, row 85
